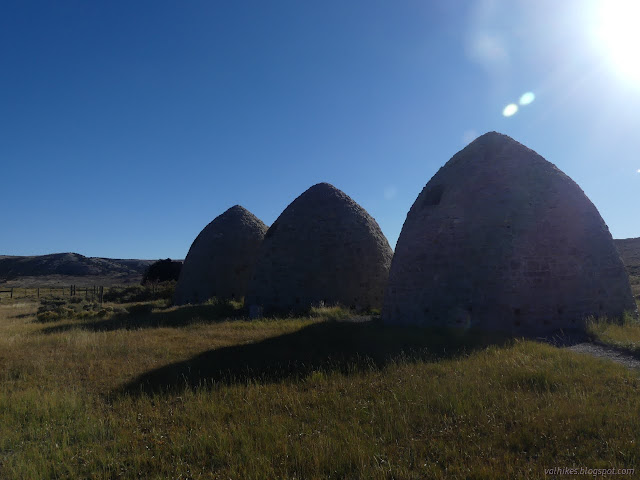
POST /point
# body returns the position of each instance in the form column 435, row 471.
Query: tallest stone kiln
column 501, row 239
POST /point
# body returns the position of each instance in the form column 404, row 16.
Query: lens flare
column 510, row 110
column 390, row 192
column 527, row 98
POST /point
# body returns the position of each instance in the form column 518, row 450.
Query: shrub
column 140, row 309
column 162, row 271
column 138, row 293
column 53, row 309
column 48, row 316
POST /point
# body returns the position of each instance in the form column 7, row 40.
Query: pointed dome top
column 324, row 190
column 497, row 158
column 493, row 136
column 237, row 208
column 234, row 218
column 322, row 186
column 325, row 203
column 237, row 211
column 494, row 142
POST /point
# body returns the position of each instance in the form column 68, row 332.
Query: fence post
column 11, row 293
column 38, row 292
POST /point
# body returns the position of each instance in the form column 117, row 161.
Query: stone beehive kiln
column 503, row 240
column 324, row 247
column 221, row 258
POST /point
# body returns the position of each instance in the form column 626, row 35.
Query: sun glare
column 510, row 110
column 619, row 36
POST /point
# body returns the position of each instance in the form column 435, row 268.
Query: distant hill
column 73, row 268
column 629, row 249
column 67, row 268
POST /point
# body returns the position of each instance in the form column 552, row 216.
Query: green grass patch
column 330, row 313
column 181, row 393
column 625, row 334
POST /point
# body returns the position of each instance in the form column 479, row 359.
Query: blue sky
column 127, row 126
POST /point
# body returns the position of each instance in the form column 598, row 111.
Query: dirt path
column 605, row 351
column 580, row 342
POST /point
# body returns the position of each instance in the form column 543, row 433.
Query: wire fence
column 94, row 292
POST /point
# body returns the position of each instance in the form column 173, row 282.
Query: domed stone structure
column 324, row 247
column 221, row 258
column 501, row 239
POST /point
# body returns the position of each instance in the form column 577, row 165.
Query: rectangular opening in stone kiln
column 433, row 196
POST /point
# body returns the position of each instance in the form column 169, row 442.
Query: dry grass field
column 198, row 392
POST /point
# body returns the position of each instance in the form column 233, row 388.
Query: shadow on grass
column 327, row 346
column 144, row 318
